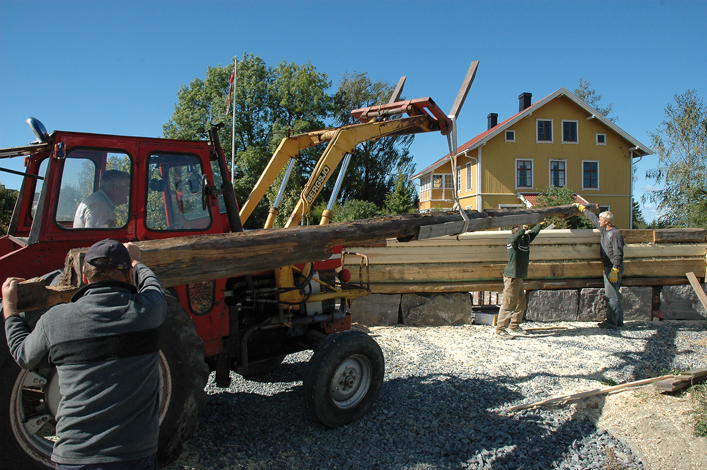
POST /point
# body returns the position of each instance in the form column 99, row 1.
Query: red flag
column 231, row 81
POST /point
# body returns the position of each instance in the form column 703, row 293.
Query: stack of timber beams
column 559, row 259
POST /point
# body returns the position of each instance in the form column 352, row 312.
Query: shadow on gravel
column 430, row 422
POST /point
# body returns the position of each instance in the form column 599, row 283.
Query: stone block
column 376, row 310
column 681, row 303
column 436, row 309
column 592, row 304
column 552, row 305
column 637, row 303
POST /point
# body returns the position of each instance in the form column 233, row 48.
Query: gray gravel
column 445, row 401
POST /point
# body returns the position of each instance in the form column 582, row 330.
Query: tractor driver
column 98, row 209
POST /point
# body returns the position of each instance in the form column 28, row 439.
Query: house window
column 545, row 130
column 590, row 175
column 604, row 208
column 601, row 139
column 524, row 173
column 469, row 184
column 425, row 188
column 510, row 136
column 436, row 181
column 569, row 132
column 459, row 179
column 557, row 173
column 448, row 182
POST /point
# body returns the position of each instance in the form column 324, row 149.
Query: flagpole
column 233, row 128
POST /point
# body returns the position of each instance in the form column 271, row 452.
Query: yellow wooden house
column 559, row 140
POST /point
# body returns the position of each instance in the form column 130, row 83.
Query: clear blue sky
column 116, row 66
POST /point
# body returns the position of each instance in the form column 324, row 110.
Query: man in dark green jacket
column 513, row 304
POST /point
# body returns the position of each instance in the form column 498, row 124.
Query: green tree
column 8, row 197
column 403, row 198
column 638, row 220
column 561, row 196
column 268, row 103
column 375, row 165
column 681, row 145
column 590, row 96
column 354, row 209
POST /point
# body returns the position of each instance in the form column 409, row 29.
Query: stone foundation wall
column 639, row 303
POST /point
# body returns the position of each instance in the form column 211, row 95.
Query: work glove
column 614, row 275
column 579, row 206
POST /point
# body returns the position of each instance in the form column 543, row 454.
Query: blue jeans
column 615, row 312
column 147, row 463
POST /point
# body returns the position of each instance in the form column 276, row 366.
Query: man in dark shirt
column 612, row 255
column 105, row 346
column 513, row 304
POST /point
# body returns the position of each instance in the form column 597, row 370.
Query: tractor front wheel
column 343, row 378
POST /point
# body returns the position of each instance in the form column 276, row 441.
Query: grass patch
column 699, row 405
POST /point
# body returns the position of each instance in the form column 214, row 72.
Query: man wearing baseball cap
column 105, row 346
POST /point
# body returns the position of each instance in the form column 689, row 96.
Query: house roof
column 530, row 199
column 640, row 149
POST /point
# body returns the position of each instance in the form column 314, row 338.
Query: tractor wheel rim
column 34, row 401
column 351, row 381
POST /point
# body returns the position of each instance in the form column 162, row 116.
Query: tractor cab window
column 95, row 190
column 175, row 193
column 38, row 185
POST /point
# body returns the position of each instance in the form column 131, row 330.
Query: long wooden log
column 185, row 260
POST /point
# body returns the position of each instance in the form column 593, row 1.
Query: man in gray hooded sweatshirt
column 105, row 346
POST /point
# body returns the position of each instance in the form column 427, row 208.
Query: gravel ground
column 445, row 401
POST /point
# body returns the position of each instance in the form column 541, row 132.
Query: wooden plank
column 497, row 286
column 685, row 235
column 405, row 254
column 638, row 236
column 684, row 380
column 697, row 287
column 574, row 396
column 457, row 272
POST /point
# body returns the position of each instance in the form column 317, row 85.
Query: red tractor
column 247, row 325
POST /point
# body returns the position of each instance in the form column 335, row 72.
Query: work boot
column 606, row 325
column 517, row 331
column 503, row 334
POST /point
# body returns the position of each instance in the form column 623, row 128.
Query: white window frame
column 552, row 130
column 598, row 175
column 549, row 172
column 597, row 139
column 469, row 181
column 575, row 142
column 426, row 186
column 532, row 173
column 505, row 135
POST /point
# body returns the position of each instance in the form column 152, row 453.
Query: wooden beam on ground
column 683, row 380
column 574, row 396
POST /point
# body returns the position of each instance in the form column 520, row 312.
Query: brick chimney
column 492, row 119
column 524, row 101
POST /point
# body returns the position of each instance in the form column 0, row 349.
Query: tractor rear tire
column 343, row 378
column 27, row 443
